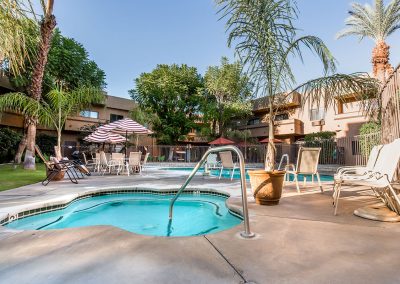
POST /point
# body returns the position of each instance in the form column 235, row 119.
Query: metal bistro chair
column 134, row 161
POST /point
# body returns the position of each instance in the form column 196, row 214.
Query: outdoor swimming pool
column 227, row 174
column 141, row 213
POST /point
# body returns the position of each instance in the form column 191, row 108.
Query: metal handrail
column 247, row 233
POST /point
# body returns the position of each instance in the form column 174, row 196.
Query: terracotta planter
column 59, row 176
column 266, row 186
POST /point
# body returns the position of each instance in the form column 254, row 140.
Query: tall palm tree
column 47, row 25
column 53, row 109
column 265, row 40
column 376, row 22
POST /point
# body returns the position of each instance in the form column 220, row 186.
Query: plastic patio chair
column 307, row 164
column 144, row 162
column 379, row 178
column 212, row 162
column 134, row 161
column 227, row 163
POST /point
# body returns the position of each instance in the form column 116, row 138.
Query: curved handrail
column 281, row 162
column 247, row 233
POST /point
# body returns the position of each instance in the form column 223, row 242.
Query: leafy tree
column 143, row 117
column 172, row 93
column 54, row 108
column 377, row 22
column 227, row 94
column 68, row 62
column 265, row 38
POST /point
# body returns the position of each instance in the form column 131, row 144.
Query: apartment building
column 114, row 108
column 294, row 120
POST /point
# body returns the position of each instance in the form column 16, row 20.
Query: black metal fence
column 330, row 153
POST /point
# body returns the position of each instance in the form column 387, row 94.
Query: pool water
column 226, row 173
column 146, row 214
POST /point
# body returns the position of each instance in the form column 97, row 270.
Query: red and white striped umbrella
column 100, row 136
column 125, row 126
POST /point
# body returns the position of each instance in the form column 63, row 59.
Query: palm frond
column 15, row 24
column 328, row 90
column 377, row 22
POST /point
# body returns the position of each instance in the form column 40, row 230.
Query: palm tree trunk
column 29, row 161
column 58, row 148
column 35, row 91
column 271, row 150
column 380, row 61
column 22, row 144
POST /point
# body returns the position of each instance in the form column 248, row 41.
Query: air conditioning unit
column 318, row 122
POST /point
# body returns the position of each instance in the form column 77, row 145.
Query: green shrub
column 9, row 140
column 320, row 136
column 326, row 141
column 46, row 143
column 369, row 136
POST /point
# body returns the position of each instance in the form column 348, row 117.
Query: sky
column 129, row 37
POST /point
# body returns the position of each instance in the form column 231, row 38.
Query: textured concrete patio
column 298, row 241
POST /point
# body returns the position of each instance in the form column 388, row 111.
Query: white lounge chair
column 359, row 170
column 227, row 163
column 379, row 178
column 134, row 161
column 307, row 164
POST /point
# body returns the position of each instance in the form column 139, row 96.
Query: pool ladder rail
column 246, row 233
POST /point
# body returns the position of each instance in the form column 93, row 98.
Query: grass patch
column 12, row 178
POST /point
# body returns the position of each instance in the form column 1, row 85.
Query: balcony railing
column 292, row 100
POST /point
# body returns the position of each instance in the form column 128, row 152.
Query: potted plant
column 266, row 40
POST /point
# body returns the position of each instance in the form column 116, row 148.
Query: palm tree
column 265, row 40
column 377, row 22
column 47, row 27
column 15, row 20
column 54, row 108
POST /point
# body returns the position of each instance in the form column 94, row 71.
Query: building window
column 253, row 121
column 89, row 114
column 317, row 114
column 282, row 116
column 115, row 117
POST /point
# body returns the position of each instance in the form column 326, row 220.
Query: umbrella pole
column 126, row 143
column 137, row 141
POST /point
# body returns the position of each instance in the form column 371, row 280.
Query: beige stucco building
column 114, row 108
column 296, row 119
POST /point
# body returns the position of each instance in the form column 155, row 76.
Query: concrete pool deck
column 298, row 241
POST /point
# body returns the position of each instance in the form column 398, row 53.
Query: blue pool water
column 146, row 214
column 227, row 174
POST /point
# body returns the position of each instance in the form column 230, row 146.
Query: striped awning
column 100, row 136
column 124, row 126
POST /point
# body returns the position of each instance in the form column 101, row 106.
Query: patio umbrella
column 266, row 140
column 221, row 141
column 125, row 126
column 100, row 136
